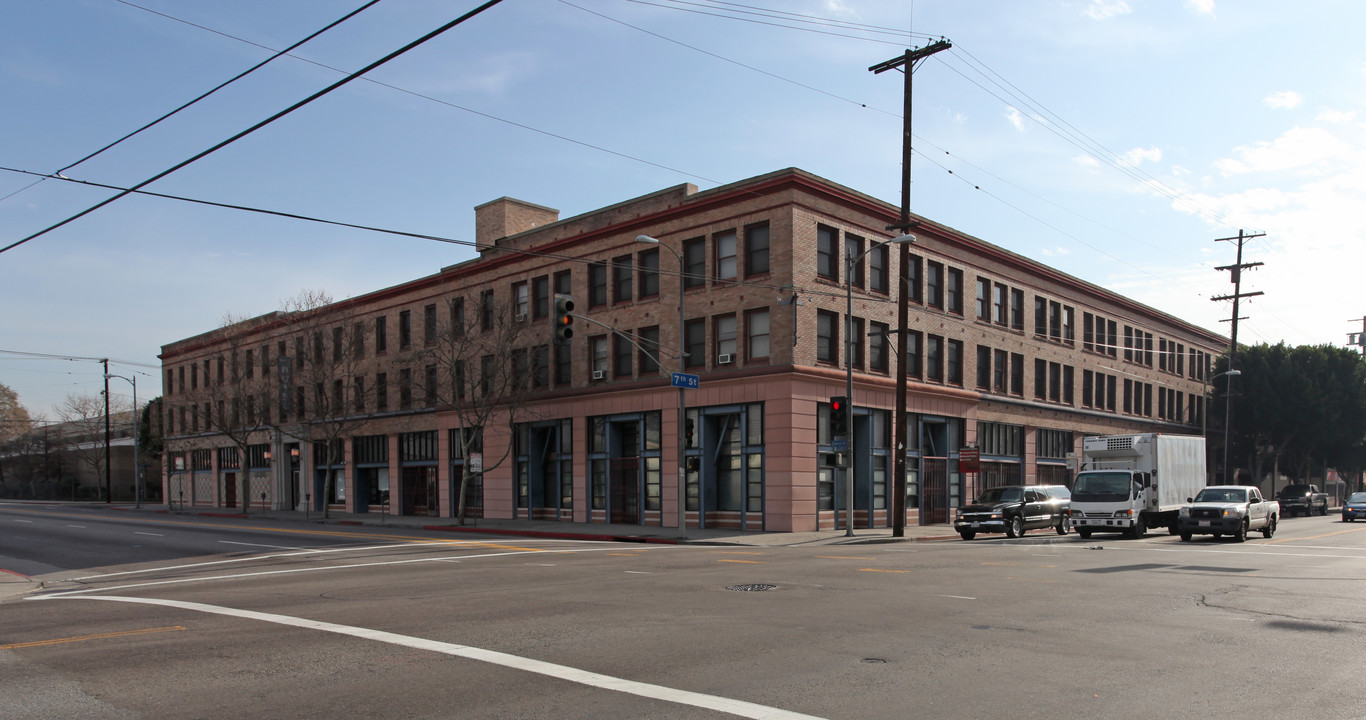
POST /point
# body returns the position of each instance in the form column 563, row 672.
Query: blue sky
column 1112, row 139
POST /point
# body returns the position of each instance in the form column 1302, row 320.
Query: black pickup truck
column 1302, row 500
column 1014, row 510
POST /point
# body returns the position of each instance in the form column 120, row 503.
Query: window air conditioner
column 724, row 359
column 521, row 317
column 599, row 374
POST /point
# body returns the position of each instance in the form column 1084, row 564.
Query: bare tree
column 331, row 398
column 83, row 419
column 485, row 371
column 239, row 396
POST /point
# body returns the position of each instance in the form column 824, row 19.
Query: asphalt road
column 377, row 624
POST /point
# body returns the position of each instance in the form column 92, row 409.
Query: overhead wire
column 238, row 136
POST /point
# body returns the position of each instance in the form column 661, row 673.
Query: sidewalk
column 576, row 531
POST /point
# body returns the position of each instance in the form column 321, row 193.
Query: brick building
column 1006, row 355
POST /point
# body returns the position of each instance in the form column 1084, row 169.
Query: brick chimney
column 507, row 216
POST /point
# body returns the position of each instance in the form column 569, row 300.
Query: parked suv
column 1302, row 500
column 1014, row 510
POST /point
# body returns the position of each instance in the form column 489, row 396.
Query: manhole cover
column 752, row 587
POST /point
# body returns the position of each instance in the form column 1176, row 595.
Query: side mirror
column 1190, row 500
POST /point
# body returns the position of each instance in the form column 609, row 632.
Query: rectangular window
column 357, row 346
column 1088, row 336
column 955, row 291
column 998, row 304
column 756, row 250
column 914, row 278
column 999, row 372
column 1040, row 379
column 405, row 389
column 756, row 328
column 540, row 297
column 429, row 324
column 486, row 310
column 856, row 342
column 934, row 358
column 540, row 366
column 521, row 301
column 564, row 283
column 827, row 253
column 430, row 391
column 648, row 262
column 983, row 367
column 1087, row 388
column 934, row 285
column 649, row 354
column 251, row 364
column 457, row 317
column 1055, row 382
column 564, row 364
column 597, row 356
column 695, row 263
column 405, row 330
column 955, row 362
column 913, row 353
column 1017, row 304
column 1055, row 323
column 879, row 260
column 827, row 337
column 622, row 355
column 381, row 391
column 623, row 281
column 853, row 250
column 337, row 347
column 695, row 343
column 1040, row 316
column 725, row 332
column 877, row 347
column 1017, row 364
column 983, row 299
column 597, row 285
column 727, row 259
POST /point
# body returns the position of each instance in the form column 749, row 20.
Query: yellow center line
column 747, row 562
column 83, row 638
column 882, row 571
column 622, row 554
column 1312, row 537
column 737, row 552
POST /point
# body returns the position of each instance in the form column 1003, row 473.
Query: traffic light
column 564, row 320
column 688, row 433
column 839, row 417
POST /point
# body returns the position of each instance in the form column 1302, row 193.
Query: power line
column 349, row 78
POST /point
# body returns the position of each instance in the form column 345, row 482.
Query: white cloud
column 1016, row 118
column 1201, row 7
column 1055, row 251
column 1105, row 9
column 1336, row 116
column 1137, row 156
column 1287, row 99
column 1297, row 149
column 1086, row 161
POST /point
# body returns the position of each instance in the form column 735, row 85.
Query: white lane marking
column 23, row 521
column 263, row 573
column 136, row 532
column 77, row 526
column 637, row 572
column 956, row 597
column 493, row 657
column 172, row 568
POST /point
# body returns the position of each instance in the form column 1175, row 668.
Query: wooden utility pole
column 906, row 63
column 1235, row 277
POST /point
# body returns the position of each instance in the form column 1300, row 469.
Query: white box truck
column 1131, row 483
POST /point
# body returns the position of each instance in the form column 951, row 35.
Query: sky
column 1116, row 140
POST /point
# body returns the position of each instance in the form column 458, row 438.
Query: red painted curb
column 349, row 522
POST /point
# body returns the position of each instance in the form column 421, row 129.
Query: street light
column 137, row 475
column 682, row 397
column 849, row 262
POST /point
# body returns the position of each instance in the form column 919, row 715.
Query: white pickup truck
column 1228, row 510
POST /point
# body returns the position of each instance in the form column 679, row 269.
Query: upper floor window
column 827, row 337
column 597, row 284
column 877, row 346
column 827, row 253
column 725, row 332
column 694, row 262
column 486, row 310
column 955, row 291
column 695, row 343
column 726, row 257
column 520, row 300
column 622, row 281
column 429, row 323
column 381, row 335
column 757, row 328
column 853, row 250
column 756, row 249
column 648, row 262
column 540, row 297
column 934, row 284
column 405, row 329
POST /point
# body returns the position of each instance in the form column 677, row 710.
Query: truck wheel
column 1083, row 534
column 1062, row 527
column 1173, row 529
column 1015, row 527
column 1240, row 535
column 1185, row 537
column 1270, row 528
column 1324, row 510
column 968, row 534
column 1138, row 529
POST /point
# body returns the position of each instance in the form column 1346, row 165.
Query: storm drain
column 751, row 587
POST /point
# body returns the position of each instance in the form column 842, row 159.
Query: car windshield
column 1001, row 494
column 1222, row 495
column 1102, row 487
column 1357, row 498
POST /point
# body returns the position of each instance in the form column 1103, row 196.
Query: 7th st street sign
column 685, row 380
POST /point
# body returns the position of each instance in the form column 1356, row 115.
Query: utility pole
column 1358, row 339
column 1236, row 277
column 108, row 469
column 906, row 63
